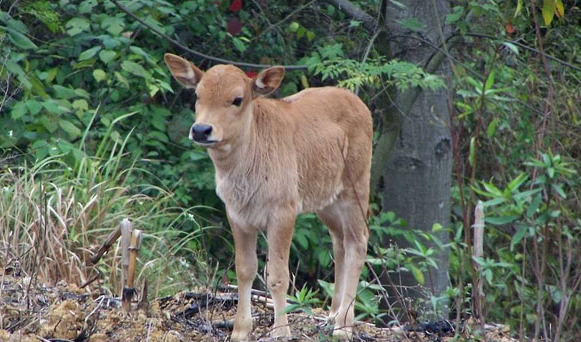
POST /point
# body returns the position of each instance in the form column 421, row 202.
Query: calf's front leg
column 279, row 238
column 246, row 267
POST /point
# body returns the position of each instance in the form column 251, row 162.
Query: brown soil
column 36, row 312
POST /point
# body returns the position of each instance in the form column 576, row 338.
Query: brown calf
column 275, row 159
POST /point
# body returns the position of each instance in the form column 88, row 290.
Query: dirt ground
column 32, row 311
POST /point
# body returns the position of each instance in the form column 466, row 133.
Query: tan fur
column 275, row 159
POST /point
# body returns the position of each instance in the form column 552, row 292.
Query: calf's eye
column 237, row 101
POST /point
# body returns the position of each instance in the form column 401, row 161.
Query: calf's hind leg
column 332, row 220
column 347, row 218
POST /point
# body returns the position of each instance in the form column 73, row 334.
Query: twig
column 111, row 238
column 197, row 53
column 90, row 281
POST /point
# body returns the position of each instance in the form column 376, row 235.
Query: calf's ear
column 267, row 81
column 187, row 74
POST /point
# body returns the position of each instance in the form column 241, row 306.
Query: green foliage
column 378, row 73
column 517, row 154
column 303, row 300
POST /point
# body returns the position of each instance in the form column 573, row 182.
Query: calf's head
column 224, row 98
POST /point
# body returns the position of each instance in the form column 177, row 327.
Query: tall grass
column 56, row 212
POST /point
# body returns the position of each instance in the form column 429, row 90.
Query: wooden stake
column 129, row 289
column 125, row 240
column 478, row 252
column 143, row 303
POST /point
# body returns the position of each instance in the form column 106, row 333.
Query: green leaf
column 134, row 69
column 548, row 11
column 517, row 182
column 436, row 227
column 472, row 151
column 238, row 44
column 51, row 74
column 159, row 123
column 122, row 79
column 417, row 273
column 33, row 106
column 18, row 111
column 49, row 122
column 559, row 189
column 518, row 7
column 107, row 55
column 70, row 128
column 84, row 64
column 89, row 53
column 354, row 23
column 293, row 27
column 489, row 81
column 492, row 128
column 99, row 75
column 87, row 6
column 412, row 24
column 532, row 209
column 139, row 51
column 63, row 92
column 20, row 40
column 82, row 93
column 113, row 25
column 77, row 25
column 559, row 9
column 500, row 220
column 520, row 233
column 159, row 136
column 512, row 47
column 302, row 240
column 80, row 104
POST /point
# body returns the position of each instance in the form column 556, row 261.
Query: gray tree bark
column 413, row 159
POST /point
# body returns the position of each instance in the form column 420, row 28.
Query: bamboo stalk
column 125, row 240
column 111, row 238
column 129, row 288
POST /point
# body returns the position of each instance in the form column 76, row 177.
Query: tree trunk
column 413, row 159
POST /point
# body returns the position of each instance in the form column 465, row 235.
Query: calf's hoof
column 238, row 336
column 343, row 334
column 283, row 331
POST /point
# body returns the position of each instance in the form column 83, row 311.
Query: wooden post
column 478, row 252
column 125, row 239
column 129, row 288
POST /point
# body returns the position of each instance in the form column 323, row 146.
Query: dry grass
column 53, row 216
